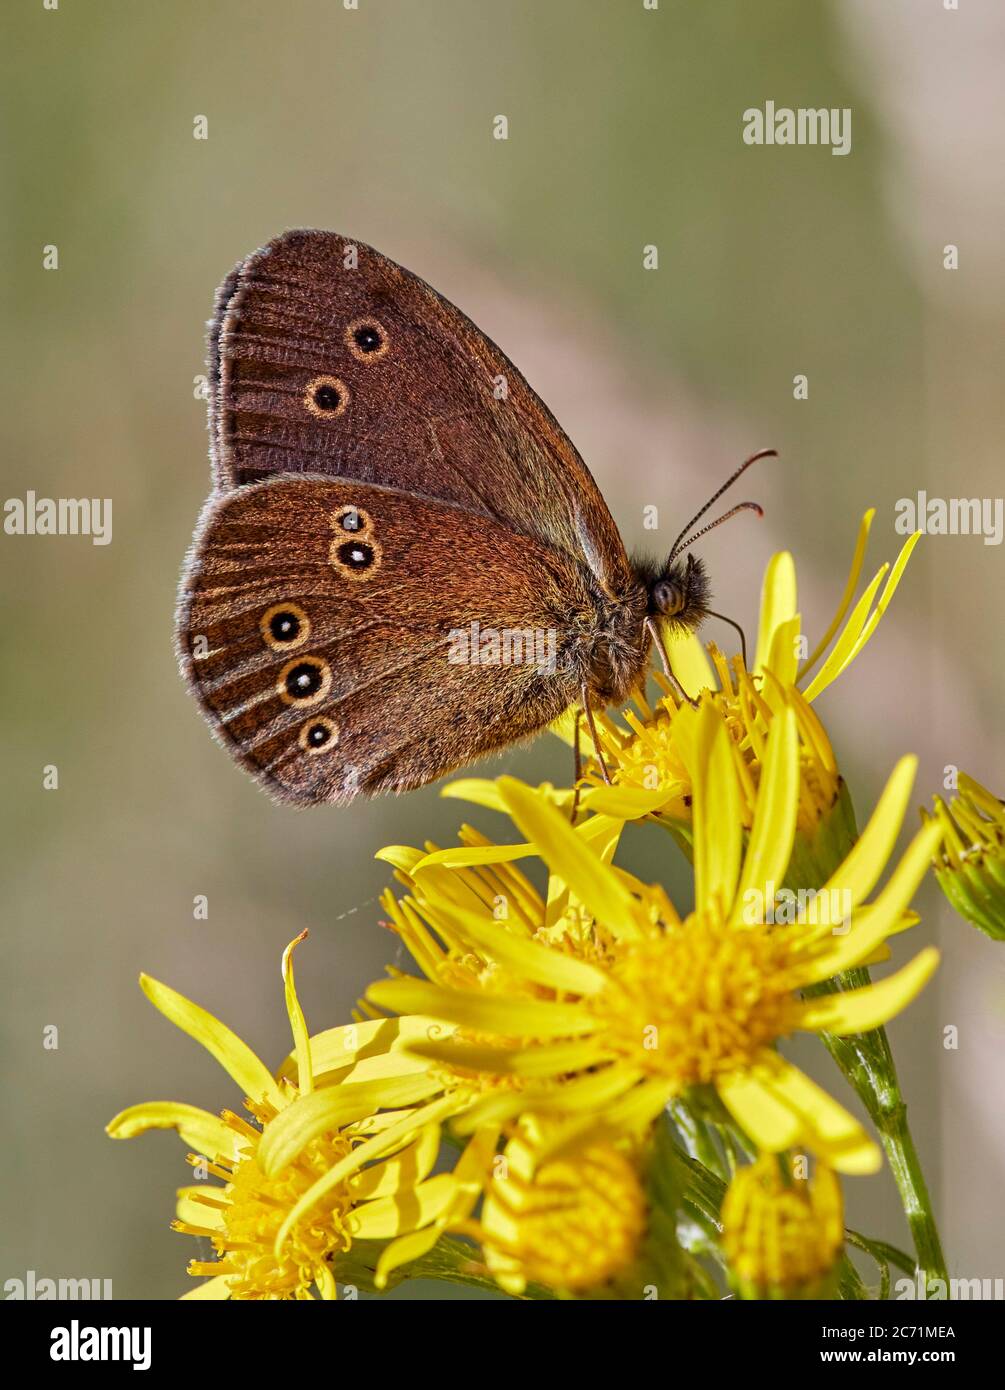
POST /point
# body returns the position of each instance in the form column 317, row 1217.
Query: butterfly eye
column 326, row 397
column 318, row 735
column 366, row 340
column 285, row 626
column 304, row 681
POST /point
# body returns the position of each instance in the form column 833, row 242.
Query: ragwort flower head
column 782, row 1235
column 970, row 865
column 277, row 1223
column 650, row 1005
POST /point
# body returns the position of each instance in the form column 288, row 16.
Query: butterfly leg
column 577, row 766
column 660, row 646
column 591, row 723
column 743, row 636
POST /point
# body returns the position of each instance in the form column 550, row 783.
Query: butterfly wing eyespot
column 367, row 340
column 304, row 681
column 353, row 521
column 326, row 397
column 285, row 626
column 357, row 560
column 318, row 735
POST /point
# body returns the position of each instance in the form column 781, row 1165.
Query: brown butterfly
column 404, row 564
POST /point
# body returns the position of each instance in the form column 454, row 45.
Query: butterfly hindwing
column 328, row 358
column 344, row 637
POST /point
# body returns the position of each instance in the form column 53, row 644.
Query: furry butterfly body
column 383, row 479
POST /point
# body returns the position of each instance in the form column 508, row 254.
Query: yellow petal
column 298, row 1025
column 398, row 1063
column 774, row 827
column 463, row 856
column 871, row 925
column 770, row 1123
column 718, row 831
column 495, row 1108
column 914, row 863
column 413, row 1120
column 403, row 1211
column 566, row 854
column 688, row 661
column 860, row 872
column 488, row 1013
column 593, row 1093
column 859, row 1010
column 544, row 1059
column 862, row 623
column 629, row 803
column 830, row 1121
column 203, row 1132
column 401, row 857
column 783, row 661
column 484, row 791
column 469, row 1177
column 825, row 1124
column 235, row 1056
column 198, row 1213
column 778, row 604
column 847, row 596
column 289, row 1133
column 602, row 833
column 639, row 1106
column 481, row 791
column 408, row 1166
column 339, row 1048
column 858, row 946
column 841, row 652
column 404, row 1250
column 525, row 958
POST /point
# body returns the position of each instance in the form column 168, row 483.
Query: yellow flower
column 970, row 866
column 332, row 1092
column 637, row 1006
column 568, row 1213
column 650, row 760
column 781, row 1235
column 571, row 1220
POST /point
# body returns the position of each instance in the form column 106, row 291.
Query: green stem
column 906, row 1168
column 697, row 1138
column 866, row 1058
column 867, row 1062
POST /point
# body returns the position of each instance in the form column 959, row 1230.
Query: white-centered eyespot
column 318, row 735
column 285, row 626
column 304, row 681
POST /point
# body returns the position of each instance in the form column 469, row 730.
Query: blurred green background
column 624, row 131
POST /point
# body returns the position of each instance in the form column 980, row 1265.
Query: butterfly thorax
column 611, row 649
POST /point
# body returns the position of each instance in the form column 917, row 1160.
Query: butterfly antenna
column 740, row 507
column 679, row 544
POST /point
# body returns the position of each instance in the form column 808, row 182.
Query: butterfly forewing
column 328, row 358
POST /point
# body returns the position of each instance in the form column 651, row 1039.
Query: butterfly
column 404, row 564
